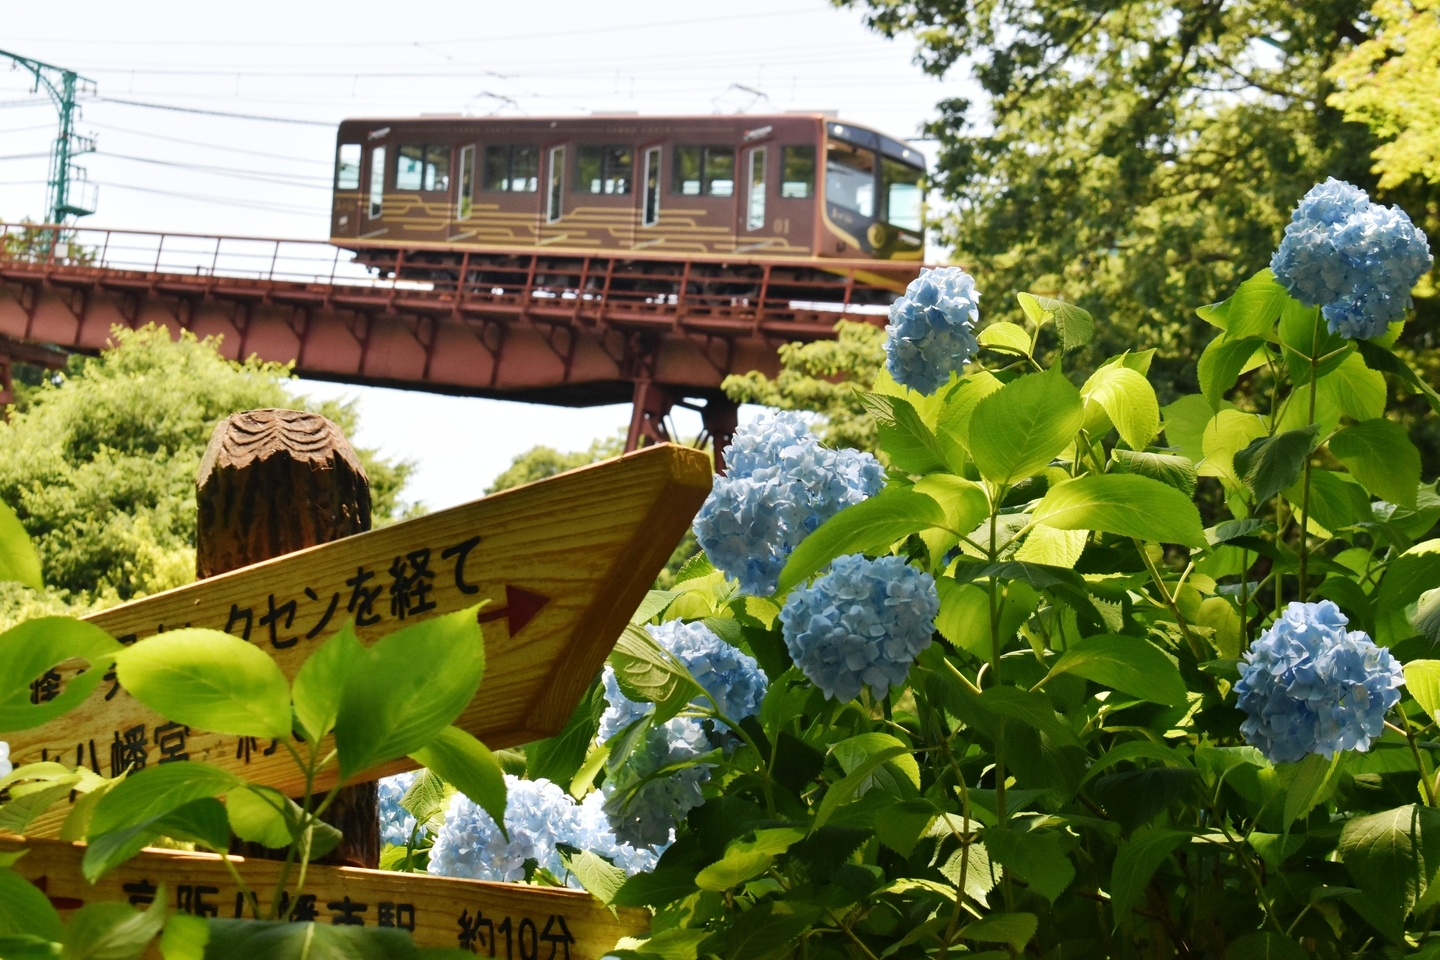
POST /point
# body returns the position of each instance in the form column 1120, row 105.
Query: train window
column 755, row 185
column 347, row 167
column 467, row 184
column 651, row 213
column 515, row 169
column 902, row 187
column 437, row 168
column 797, row 172
column 410, row 167
column 850, row 177
column 377, row 180
column 604, row 169
column 704, row 170
column 553, row 207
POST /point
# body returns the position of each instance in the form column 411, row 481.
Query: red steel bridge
column 577, row 332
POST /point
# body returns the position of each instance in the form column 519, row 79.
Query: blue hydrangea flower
column 6, row 767
column 1310, row 686
column 780, row 484
column 538, row 816
column 732, row 677
column 861, row 624
column 932, row 329
column 1358, row 260
column 595, row 834
column 396, row 823
column 649, row 816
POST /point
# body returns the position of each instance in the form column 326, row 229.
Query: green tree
column 1391, row 83
column 1136, row 157
column 827, row 377
column 99, row 463
column 541, row 461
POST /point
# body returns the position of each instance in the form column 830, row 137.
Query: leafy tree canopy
column 540, row 462
column 1137, row 157
column 1391, row 83
column 99, row 463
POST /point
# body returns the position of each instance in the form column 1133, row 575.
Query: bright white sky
column 321, row 62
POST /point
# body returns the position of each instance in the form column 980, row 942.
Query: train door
column 345, row 217
column 551, row 227
column 751, row 233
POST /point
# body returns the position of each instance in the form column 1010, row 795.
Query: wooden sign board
column 564, row 562
column 503, row 920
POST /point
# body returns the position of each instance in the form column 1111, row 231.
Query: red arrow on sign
column 519, row 609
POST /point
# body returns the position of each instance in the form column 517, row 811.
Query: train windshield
column 902, row 187
column 850, row 177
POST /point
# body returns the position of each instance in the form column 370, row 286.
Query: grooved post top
column 257, row 435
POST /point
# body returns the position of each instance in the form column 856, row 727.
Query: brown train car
column 720, row 193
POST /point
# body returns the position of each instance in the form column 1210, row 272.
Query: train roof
column 867, row 136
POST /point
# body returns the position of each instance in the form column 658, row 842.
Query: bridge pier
column 652, row 403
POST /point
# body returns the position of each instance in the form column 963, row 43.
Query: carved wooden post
column 273, row 482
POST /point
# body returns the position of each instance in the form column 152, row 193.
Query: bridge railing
column 587, row 286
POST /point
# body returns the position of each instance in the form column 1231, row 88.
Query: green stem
column 1170, row 603
column 1304, row 586
column 1426, row 777
column 952, row 929
column 995, row 668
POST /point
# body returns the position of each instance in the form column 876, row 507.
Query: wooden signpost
column 502, row 920
column 563, row 563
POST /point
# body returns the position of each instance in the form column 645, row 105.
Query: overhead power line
column 214, row 113
column 228, row 148
column 265, row 176
column 222, row 201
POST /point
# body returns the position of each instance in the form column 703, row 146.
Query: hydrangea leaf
column 953, row 422
column 1035, row 856
column 872, row 524
column 599, row 877
column 210, row 680
column 1307, row 783
column 1075, row 325
column 1129, row 664
column 1005, row 337
column 1052, row 547
column 1422, row 679
column 469, row 766
column 648, row 674
column 1265, row 945
column 1382, row 852
column 1018, row 429
column 1223, row 362
column 1184, row 425
column 560, row 757
column 1124, row 504
column 1015, row 929
column 1355, row 389
column 732, row 870
column 185, row 937
column 321, row 680
column 1406, row 578
column 257, row 814
column 1254, row 307
column 1135, row 863
column 842, row 791
column 396, row 702
column 665, row 885
column 1304, row 338
column 114, row 931
column 1380, row 455
column 904, row 436
column 1177, row 471
column 854, row 751
column 29, row 649
column 24, row 909
column 1227, row 433
column 157, row 790
column 18, row 560
column 1336, row 500
column 202, row 821
column 282, row 940
column 1380, row 359
column 1424, row 615
column 1128, row 400
column 1270, row 464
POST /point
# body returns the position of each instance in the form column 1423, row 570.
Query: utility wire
column 222, row 201
column 285, row 179
column 209, row 146
column 214, row 113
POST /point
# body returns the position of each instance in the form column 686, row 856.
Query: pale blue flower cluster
column 396, row 823
column 1358, row 260
column 648, row 817
column 779, row 485
column 862, row 624
column 932, row 329
column 539, row 816
column 732, row 677
column 1310, row 686
column 6, row 767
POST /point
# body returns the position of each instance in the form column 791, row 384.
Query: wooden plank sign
column 503, row 920
column 564, row 563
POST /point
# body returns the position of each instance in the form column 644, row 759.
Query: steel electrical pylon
column 69, row 192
